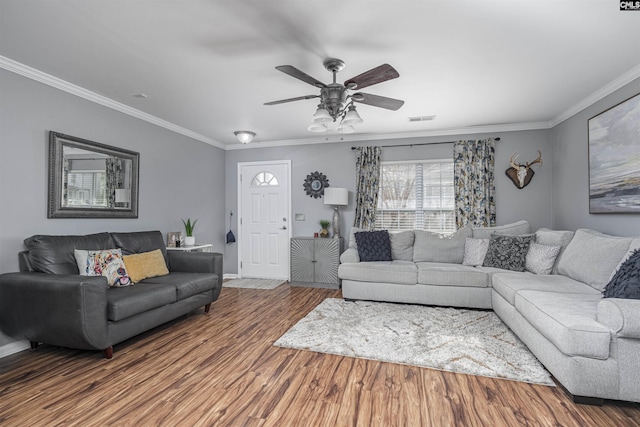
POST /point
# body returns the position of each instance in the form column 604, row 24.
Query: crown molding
column 63, row 85
column 608, row 89
column 333, row 138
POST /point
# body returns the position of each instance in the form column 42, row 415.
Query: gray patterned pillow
column 474, row 251
column 508, row 252
column 373, row 245
column 541, row 258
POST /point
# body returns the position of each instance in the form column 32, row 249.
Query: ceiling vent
column 421, row 118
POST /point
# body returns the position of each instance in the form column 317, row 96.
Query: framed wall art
column 614, row 159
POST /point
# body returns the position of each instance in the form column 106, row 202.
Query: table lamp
column 336, row 197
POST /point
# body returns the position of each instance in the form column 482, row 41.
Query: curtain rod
column 421, row 143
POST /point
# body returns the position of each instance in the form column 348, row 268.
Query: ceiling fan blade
column 300, row 75
column 299, row 98
column 378, row 101
column 374, row 76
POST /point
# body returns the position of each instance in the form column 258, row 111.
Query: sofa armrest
column 349, row 256
column 196, row 262
column 64, row 310
column 622, row 316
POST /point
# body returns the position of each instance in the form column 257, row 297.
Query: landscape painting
column 614, row 159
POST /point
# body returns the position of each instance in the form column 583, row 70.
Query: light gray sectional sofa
column 590, row 344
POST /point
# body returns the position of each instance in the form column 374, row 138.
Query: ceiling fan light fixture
column 322, row 115
column 244, row 136
column 317, row 127
column 352, row 117
column 346, row 128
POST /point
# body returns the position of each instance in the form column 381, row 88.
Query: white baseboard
column 229, row 276
column 13, row 348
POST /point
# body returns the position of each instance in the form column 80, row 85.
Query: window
column 416, row 195
column 264, row 179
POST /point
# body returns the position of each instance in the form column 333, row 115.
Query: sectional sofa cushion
column 514, row 228
column 507, row 285
column 400, row 272
column 434, row 247
column 374, row 245
column 626, row 282
column 568, row 320
column 447, row 274
column 508, row 252
column 591, row 257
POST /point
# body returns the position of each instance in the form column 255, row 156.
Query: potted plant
column 190, row 239
column 324, row 223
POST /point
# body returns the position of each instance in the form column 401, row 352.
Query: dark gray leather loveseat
column 49, row 302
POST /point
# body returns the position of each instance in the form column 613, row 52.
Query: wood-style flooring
column 221, row 369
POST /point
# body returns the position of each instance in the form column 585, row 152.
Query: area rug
column 253, row 283
column 472, row 342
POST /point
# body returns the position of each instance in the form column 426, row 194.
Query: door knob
column 284, row 227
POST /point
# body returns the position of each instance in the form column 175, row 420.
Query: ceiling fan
column 336, row 101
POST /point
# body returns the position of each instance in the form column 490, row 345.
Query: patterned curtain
column 473, row 163
column 114, row 178
column 367, row 183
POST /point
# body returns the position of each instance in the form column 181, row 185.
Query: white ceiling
column 207, row 66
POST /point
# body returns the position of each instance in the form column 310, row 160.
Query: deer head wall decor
column 521, row 174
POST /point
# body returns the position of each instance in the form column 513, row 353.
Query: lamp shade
column 336, row 196
column 123, row 195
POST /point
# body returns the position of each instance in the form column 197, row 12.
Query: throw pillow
column 145, row 265
column 81, row 261
column 474, row 251
column 508, row 252
column 373, row 245
column 541, row 258
column 402, row 245
column 626, row 282
column 108, row 263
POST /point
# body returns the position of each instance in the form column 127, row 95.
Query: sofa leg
column 585, row 400
column 34, row 344
column 108, row 352
column 207, row 307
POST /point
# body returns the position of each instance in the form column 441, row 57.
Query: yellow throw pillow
column 145, row 265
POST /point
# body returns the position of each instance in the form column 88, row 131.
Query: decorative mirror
column 91, row 180
column 315, row 183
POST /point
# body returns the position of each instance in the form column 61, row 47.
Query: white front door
column 264, row 217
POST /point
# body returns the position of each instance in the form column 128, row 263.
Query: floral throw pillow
column 508, row 252
column 108, row 263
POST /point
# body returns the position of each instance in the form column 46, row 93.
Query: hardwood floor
column 222, row 369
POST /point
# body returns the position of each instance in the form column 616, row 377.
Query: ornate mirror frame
column 314, row 184
column 120, row 200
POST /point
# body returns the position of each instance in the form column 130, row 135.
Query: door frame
column 287, row 163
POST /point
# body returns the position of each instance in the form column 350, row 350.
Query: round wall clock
column 315, row 183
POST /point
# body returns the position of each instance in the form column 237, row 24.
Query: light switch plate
column 299, row 217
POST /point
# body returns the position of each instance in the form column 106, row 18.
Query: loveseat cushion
column 186, row 284
column 54, row 254
column 402, row 245
column 567, row 320
column 139, row 242
column 447, row 274
column 131, row 300
column 401, row 272
column 507, row 285
column 591, row 257
column 434, row 247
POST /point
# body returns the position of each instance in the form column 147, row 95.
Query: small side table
column 207, row 247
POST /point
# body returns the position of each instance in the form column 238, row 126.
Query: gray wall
column 337, row 161
column 179, row 177
column 571, row 172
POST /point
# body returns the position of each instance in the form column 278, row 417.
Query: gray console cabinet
column 315, row 261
